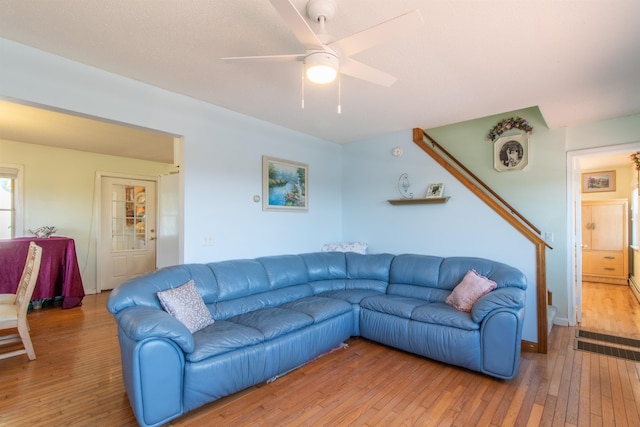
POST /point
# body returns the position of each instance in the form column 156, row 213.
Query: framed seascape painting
column 593, row 182
column 285, row 185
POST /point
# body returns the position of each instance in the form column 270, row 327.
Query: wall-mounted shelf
column 424, row 201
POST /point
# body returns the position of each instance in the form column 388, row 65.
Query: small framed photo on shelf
column 435, row 190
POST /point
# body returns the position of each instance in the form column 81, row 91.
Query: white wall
column 464, row 226
column 222, row 168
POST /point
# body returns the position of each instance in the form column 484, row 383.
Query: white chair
column 13, row 307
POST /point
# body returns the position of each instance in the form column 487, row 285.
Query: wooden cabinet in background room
column 605, row 242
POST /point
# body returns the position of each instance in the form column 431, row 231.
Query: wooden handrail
column 482, row 184
column 502, row 208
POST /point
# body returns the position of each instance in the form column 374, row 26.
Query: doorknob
column 585, row 246
column 152, row 238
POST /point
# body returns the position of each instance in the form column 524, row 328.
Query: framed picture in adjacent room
column 593, row 182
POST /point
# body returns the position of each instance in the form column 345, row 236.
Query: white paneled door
column 127, row 245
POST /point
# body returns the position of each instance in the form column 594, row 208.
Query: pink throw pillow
column 470, row 290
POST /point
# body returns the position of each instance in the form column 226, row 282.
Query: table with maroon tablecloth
column 59, row 273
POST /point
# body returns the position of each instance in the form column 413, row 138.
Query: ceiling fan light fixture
column 321, row 67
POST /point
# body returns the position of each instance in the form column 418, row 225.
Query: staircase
column 545, row 314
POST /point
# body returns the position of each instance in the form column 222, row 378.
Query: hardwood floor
column 76, row 381
column 610, row 309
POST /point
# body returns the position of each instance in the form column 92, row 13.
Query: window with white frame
column 10, row 201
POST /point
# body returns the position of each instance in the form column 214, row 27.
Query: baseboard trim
column 561, row 321
column 528, row 346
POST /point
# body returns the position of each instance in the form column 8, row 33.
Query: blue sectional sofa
column 273, row 314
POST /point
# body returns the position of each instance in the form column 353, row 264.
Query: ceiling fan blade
column 297, row 23
column 266, row 58
column 379, row 34
column 361, row 71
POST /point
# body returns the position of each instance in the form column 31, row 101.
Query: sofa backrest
column 416, row 276
column 433, row 278
column 330, row 271
column 142, row 290
column 237, row 286
column 453, row 269
column 249, row 285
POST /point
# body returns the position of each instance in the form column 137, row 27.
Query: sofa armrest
column 500, row 342
column 140, row 323
column 499, row 298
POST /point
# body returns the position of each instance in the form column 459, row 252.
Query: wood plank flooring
column 76, row 381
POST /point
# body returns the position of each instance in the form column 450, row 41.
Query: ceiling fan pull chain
column 302, row 91
column 339, row 95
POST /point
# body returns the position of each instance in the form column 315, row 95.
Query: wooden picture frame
column 285, row 185
column 595, row 182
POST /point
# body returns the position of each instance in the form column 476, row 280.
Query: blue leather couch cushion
column 353, row 296
column 369, row 284
column 234, row 307
column 375, row 267
column 274, row 321
column 325, row 286
column 221, row 337
column 392, row 304
column 454, row 268
column 443, row 314
column 239, row 278
column 319, row 308
column 420, row 292
column 328, row 285
column 325, row 265
column 284, row 270
column 418, row 270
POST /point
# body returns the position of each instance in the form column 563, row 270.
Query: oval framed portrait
column 511, row 153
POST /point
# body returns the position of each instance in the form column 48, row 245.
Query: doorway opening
column 98, row 143
column 605, row 159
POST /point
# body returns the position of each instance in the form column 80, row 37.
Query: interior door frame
column 97, row 205
column 574, row 223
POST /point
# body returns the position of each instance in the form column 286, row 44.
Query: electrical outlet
column 207, row 240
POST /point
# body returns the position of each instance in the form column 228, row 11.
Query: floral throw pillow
column 185, row 304
column 470, row 290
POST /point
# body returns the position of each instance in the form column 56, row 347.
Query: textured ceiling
column 579, row 61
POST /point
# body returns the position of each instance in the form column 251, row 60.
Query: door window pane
column 128, row 210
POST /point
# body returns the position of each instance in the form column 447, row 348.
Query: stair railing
column 509, row 214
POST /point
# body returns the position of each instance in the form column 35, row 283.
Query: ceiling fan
column 323, row 57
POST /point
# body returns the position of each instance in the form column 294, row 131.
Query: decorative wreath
column 635, row 158
column 508, row 124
